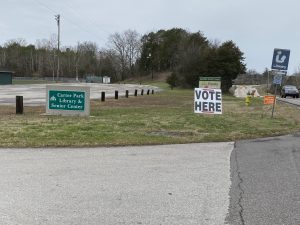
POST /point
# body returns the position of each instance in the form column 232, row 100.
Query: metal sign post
column 280, row 63
column 277, row 81
column 273, row 108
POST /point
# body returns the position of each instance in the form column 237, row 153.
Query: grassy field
column 162, row 118
column 31, row 81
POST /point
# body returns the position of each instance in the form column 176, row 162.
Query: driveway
column 168, row 185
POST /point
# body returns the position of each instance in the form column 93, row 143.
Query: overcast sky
column 256, row 26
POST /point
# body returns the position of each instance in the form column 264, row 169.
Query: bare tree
column 46, row 57
column 77, row 56
column 2, row 57
column 18, row 41
column 133, row 45
column 86, row 58
column 127, row 48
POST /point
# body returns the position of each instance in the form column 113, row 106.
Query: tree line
column 128, row 54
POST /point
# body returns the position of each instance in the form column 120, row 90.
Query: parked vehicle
column 289, row 90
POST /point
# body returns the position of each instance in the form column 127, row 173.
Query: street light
column 149, row 57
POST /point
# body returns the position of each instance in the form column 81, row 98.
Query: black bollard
column 19, row 105
column 127, row 94
column 142, row 92
column 102, row 96
column 116, row 94
column 153, row 91
column 148, row 92
column 135, row 92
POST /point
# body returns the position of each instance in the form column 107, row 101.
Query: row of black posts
column 126, row 94
column 20, row 107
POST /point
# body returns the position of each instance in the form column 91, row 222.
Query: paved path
column 35, row 94
column 168, row 185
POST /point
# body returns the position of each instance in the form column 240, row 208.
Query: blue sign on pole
column 280, row 59
column 277, row 79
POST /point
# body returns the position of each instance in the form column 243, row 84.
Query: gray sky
column 256, row 26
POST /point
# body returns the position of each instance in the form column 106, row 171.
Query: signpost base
column 273, row 108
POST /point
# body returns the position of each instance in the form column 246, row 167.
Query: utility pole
column 57, row 18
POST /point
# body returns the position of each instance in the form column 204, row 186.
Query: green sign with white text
column 66, row 100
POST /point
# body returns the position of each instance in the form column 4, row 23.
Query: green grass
column 163, row 118
column 34, row 81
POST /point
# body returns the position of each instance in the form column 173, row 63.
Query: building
column 6, row 77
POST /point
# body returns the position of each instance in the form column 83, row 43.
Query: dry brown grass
column 162, row 118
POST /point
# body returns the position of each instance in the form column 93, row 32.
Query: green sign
column 210, row 78
column 210, row 82
column 66, row 100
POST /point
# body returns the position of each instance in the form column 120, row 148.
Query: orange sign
column 269, row 100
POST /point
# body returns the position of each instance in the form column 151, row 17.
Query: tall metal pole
column 277, row 80
column 57, row 17
column 273, row 108
column 268, row 81
column 150, row 58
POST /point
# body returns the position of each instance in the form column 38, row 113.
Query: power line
column 90, row 19
column 70, row 21
column 45, row 6
column 83, row 29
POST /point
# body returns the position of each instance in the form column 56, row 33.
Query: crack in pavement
column 265, row 181
column 241, row 193
column 235, row 212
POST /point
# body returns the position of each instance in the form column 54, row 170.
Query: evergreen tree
column 229, row 63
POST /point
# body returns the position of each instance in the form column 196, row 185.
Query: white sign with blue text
column 208, row 101
column 278, row 75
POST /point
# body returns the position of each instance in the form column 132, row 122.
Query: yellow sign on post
column 269, row 99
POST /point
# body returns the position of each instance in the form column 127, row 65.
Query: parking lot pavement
column 35, row 94
column 171, row 184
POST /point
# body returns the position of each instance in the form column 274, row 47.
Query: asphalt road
column 167, row 185
column 293, row 101
column 265, row 182
column 35, row 94
column 249, row 182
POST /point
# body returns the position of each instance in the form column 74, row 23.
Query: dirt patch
column 171, row 133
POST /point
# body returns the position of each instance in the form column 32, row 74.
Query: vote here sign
column 208, row 101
